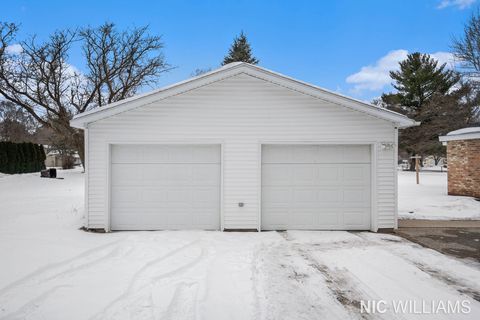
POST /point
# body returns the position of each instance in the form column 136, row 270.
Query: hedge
column 21, row 157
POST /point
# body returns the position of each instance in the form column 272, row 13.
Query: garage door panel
column 132, row 154
column 276, row 195
column 165, row 187
column 205, row 174
column 316, row 187
column 357, row 174
column 306, row 174
column 302, row 154
column 356, row 217
column 205, row 195
column 328, row 174
column 277, row 175
column 326, row 194
column 356, row 197
column 304, row 195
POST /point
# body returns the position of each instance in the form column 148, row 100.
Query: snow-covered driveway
column 51, row 270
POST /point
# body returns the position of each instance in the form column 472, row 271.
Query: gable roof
column 230, row 70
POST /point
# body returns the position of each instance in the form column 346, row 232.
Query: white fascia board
column 397, row 119
column 466, row 136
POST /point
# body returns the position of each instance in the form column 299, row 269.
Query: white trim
column 222, row 202
column 87, row 177
column 395, row 163
column 80, row 120
column 259, row 186
column 110, row 143
column 109, row 188
column 455, row 137
column 373, row 171
column 373, row 186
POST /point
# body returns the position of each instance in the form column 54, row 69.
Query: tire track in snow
column 32, row 305
column 184, row 302
column 460, row 285
column 142, row 284
column 341, row 285
column 32, row 283
column 85, row 258
column 287, row 286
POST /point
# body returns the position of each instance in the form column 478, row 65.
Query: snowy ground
column 51, row 270
column 429, row 200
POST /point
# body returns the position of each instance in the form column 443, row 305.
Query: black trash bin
column 48, row 173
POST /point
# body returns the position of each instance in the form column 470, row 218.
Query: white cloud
column 460, row 4
column 14, row 49
column 377, row 76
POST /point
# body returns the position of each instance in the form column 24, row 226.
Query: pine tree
column 419, row 78
column 240, row 51
column 418, row 81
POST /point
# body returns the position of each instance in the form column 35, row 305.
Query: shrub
column 21, row 157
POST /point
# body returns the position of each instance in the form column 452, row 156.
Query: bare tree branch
column 40, row 80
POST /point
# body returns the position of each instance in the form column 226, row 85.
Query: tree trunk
column 79, row 144
column 412, row 164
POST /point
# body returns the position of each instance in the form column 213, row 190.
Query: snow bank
column 429, row 199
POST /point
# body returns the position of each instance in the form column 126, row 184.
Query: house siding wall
column 464, row 167
column 240, row 112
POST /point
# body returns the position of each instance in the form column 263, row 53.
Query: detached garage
column 241, row 147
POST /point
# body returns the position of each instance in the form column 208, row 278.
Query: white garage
column 316, row 187
column 155, row 187
column 241, row 147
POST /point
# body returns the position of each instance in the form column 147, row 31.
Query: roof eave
column 465, row 136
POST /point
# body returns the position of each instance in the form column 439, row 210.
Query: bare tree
column 467, row 48
column 39, row 78
column 15, row 123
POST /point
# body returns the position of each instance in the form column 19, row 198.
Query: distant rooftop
column 462, row 134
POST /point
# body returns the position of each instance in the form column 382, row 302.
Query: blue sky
column 345, row 46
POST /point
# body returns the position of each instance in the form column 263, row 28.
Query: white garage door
column 156, row 187
column 316, row 187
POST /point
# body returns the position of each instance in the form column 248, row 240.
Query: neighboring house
column 241, row 147
column 463, row 155
column 55, row 159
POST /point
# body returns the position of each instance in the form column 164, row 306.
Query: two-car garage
column 241, row 148
column 303, row 186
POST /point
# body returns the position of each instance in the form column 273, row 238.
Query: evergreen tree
column 240, row 51
column 11, row 157
column 418, row 81
column 20, row 160
column 42, row 157
column 419, row 78
column 3, row 157
column 35, row 158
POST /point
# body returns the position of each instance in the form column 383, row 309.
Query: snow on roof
column 462, row 134
column 464, row 131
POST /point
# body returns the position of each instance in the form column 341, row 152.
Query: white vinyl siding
column 241, row 112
